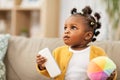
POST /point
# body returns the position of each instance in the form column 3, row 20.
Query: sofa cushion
column 21, row 57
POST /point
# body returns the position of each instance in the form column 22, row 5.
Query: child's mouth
column 66, row 37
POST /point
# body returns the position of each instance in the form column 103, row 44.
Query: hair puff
column 97, row 16
column 93, row 39
column 87, row 10
column 74, row 11
column 98, row 25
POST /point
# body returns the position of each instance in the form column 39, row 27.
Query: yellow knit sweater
column 62, row 55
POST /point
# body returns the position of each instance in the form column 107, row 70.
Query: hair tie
column 92, row 23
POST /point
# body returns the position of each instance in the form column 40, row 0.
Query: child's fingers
column 41, row 63
column 38, row 55
column 111, row 76
column 40, row 60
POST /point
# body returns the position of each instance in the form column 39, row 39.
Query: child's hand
column 112, row 76
column 40, row 61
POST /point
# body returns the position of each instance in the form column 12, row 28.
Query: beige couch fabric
column 20, row 58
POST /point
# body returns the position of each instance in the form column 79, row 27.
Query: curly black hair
column 91, row 20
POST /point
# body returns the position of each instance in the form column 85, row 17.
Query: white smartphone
column 51, row 65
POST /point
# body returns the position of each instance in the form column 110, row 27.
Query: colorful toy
column 100, row 68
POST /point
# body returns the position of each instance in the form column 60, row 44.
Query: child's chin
column 67, row 43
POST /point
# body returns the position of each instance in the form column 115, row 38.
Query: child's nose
column 67, row 31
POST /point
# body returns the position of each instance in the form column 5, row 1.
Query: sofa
column 20, row 59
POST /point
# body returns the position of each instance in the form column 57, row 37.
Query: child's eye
column 65, row 28
column 73, row 27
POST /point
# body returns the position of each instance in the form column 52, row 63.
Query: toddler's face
column 74, row 31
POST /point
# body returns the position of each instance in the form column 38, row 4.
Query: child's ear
column 88, row 35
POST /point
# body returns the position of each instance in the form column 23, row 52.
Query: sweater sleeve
column 96, row 51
